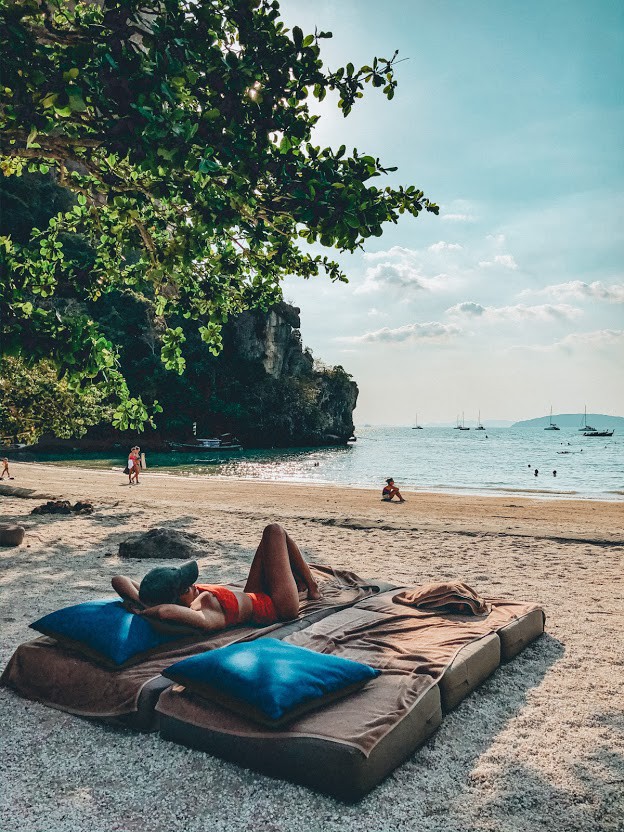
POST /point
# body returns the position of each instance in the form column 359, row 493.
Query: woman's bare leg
column 271, row 571
column 300, row 568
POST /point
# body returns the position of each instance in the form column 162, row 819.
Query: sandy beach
column 540, row 746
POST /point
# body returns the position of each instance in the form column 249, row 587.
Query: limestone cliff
column 302, row 404
column 274, row 339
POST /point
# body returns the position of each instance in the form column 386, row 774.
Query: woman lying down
column 278, row 579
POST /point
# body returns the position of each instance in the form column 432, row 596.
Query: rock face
column 274, row 339
column 304, row 404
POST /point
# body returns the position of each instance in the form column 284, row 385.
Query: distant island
column 601, row 421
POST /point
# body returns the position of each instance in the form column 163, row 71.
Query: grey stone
column 162, row 543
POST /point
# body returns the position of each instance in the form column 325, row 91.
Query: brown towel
column 450, row 596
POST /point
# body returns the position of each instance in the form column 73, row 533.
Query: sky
column 510, row 116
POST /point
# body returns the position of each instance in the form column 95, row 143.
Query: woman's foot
column 313, row 592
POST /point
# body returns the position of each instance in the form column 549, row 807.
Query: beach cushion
column 106, row 632
column 520, row 632
column 270, row 681
column 471, row 666
column 315, row 758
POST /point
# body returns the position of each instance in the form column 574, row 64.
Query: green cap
column 165, row 584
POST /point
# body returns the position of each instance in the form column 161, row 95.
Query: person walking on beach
column 390, row 490
column 5, row 469
column 279, row 578
column 133, row 467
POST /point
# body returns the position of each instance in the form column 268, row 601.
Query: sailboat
column 585, row 426
column 551, row 425
column 457, row 425
column 416, row 426
column 479, row 425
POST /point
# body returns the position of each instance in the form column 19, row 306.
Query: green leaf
column 208, row 166
column 297, row 37
column 49, row 99
column 76, row 102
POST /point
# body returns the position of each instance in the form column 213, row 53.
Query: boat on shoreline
column 225, row 442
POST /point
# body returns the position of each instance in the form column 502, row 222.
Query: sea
column 499, row 461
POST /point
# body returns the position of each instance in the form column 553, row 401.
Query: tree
column 183, row 129
column 34, row 401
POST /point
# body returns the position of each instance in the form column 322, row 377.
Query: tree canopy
column 182, row 129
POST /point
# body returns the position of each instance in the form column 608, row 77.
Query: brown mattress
column 428, row 661
column 58, row 676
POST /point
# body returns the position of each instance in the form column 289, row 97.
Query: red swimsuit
column 263, row 610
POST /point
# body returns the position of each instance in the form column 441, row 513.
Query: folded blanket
column 449, row 596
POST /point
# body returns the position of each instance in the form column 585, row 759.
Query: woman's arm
column 199, row 619
column 128, row 589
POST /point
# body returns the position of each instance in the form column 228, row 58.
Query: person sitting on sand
column 390, row 490
column 279, row 578
column 5, row 469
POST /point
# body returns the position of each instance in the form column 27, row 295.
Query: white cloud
column 432, row 332
column 583, row 341
column 443, row 246
column 597, row 338
column 597, row 290
column 498, row 239
column 399, row 275
column 458, row 217
column 395, row 251
column 519, row 312
column 505, row 260
column 468, row 307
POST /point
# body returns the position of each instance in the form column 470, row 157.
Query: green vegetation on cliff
column 263, row 386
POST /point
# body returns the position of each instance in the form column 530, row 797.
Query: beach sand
column 540, row 746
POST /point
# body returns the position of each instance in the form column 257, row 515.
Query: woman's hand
column 133, row 606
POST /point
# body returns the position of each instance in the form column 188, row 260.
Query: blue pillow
column 105, row 631
column 269, row 680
